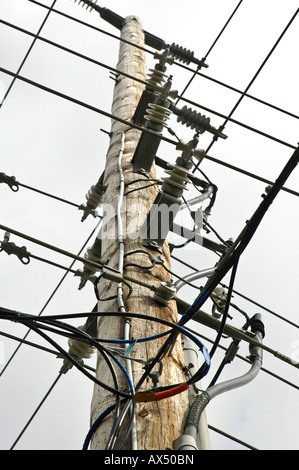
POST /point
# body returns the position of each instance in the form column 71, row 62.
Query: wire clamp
column 12, row 249
column 165, row 292
column 10, row 181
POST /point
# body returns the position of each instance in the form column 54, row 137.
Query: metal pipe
column 194, row 276
column 202, row 400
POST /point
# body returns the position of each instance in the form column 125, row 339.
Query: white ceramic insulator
column 157, row 114
column 93, row 197
column 81, row 349
column 178, row 177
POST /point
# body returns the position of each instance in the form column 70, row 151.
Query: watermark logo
column 158, row 224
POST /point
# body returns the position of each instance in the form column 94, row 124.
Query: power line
column 195, row 72
column 131, row 124
column 49, row 300
column 211, row 48
column 228, row 118
column 36, row 411
column 28, row 52
column 227, row 164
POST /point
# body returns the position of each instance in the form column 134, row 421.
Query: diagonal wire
column 28, row 52
column 228, row 118
column 35, row 412
column 210, row 49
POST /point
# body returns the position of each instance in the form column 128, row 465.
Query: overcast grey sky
column 56, row 146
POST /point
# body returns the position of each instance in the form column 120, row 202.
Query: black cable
column 48, row 322
column 104, row 352
column 142, row 187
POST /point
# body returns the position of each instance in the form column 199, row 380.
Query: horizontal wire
column 191, row 102
column 95, row 28
column 249, row 174
column 231, row 437
column 208, row 157
column 36, row 346
column 179, row 64
column 241, row 124
column 127, row 123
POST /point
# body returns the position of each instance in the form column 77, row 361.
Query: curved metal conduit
column 188, row 440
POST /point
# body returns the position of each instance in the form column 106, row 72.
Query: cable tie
column 130, row 348
column 148, row 395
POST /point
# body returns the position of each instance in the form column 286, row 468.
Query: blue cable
column 203, row 371
column 183, row 331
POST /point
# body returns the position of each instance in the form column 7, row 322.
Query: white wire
column 120, row 268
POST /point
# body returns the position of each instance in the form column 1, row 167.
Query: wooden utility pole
column 159, row 423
